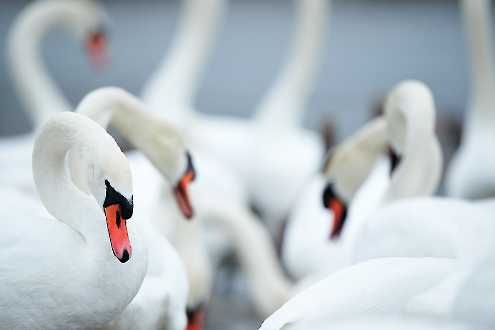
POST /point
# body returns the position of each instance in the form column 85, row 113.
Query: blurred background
column 370, row 46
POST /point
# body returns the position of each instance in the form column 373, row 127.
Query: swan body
column 273, row 136
column 362, row 288
column 468, row 177
column 94, row 286
column 386, row 323
column 38, row 94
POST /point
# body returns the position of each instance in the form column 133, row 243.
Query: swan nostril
column 125, row 256
column 117, row 219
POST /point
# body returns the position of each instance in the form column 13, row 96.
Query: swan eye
column 113, row 197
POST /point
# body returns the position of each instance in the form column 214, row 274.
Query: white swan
column 161, row 300
column 39, row 95
column 409, row 116
column 273, row 137
column 362, row 173
column 94, row 287
column 470, row 175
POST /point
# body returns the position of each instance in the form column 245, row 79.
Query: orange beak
column 339, row 214
column 196, row 321
column 181, row 193
column 96, row 45
column 117, row 231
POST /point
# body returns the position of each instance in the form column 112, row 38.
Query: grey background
column 370, row 46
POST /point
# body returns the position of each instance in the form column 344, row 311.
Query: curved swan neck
column 60, row 137
column 286, row 98
column 38, row 93
column 146, row 131
column 419, row 171
column 177, row 78
column 353, row 160
column 477, row 20
column 268, row 285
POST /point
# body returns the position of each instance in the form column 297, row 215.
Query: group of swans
column 409, row 260
column 413, row 253
column 130, row 260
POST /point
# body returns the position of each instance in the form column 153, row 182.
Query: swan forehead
column 88, row 16
column 115, row 168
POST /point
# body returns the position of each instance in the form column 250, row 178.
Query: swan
column 172, row 88
column 409, row 117
column 468, row 177
column 358, row 166
column 39, row 96
column 102, row 271
column 273, row 136
column 161, row 301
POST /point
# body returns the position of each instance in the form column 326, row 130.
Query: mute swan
column 286, row 155
column 409, row 117
column 471, row 173
column 236, row 141
column 409, row 128
column 39, row 95
column 161, row 301
column 172, row 88
column 359, row 160
column 94, row 287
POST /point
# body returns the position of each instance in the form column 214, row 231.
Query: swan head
column 104, row 173
column 166, row 150
column 87, row 21
column 409, row 108
column 347, row 168
column 195, row 317
column 338, row 206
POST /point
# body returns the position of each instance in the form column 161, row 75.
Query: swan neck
column 287, row 97
column 177, row 78
column 269, row 287
column 58, row 193
column 37, row 91
column 477, row 20
column 420, row 168
column 145, row 131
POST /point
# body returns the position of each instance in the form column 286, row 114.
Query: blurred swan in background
column 359, row 168
column 161, row 300
column 471, row 172
column 408, row 127
column 94, row 287
column 271, row 150
column 38, row 93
